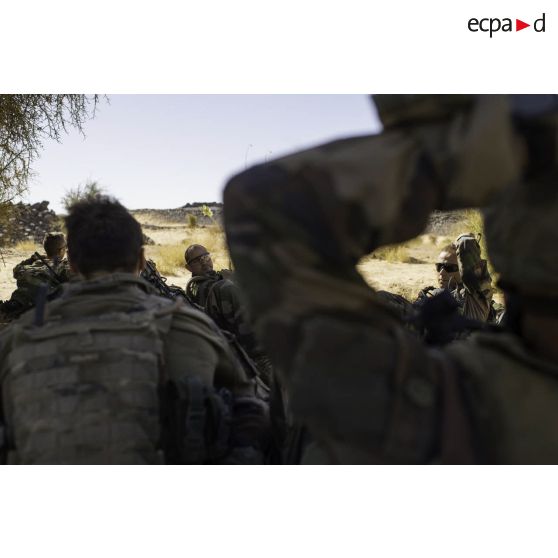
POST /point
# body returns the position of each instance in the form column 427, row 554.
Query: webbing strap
column 193, row 441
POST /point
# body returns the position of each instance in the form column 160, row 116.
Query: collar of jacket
column 107, row 283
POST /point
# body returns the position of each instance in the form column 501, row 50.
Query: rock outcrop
column 23, row 221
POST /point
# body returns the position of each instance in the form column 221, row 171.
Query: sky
column 163, row 151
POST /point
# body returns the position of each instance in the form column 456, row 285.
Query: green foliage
column 87, row 192
column 207, row 212
column 25, row 122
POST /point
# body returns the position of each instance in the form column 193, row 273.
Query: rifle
column 52, row 272
column 152, row 275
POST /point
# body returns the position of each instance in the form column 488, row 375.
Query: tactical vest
column 200, row 287
column 93, row 391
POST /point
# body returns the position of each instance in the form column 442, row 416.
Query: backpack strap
column 40, row 304
column 193, row 441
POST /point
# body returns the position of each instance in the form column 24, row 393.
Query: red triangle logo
column 519, row 25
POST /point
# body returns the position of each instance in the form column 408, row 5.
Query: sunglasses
column 202, row 258
column 449, row 268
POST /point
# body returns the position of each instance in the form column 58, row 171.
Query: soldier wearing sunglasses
column 461, row 270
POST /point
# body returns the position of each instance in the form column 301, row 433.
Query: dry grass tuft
column 29, row 246
column 472, row 222
column 393, row 253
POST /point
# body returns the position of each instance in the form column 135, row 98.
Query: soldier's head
column 103, row 238
column 54, row 244
column 447, row 268
column 198, row 260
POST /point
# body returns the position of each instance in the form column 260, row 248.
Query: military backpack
column 94, row 391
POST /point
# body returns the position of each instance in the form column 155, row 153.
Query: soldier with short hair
column 51, row 270
column 112, row 373
column 368, row 390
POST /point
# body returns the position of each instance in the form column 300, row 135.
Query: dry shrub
column 168, row 257
column 472, row 222
column 192, row 221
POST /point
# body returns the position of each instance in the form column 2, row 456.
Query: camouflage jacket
column 192, row 348
column 220, row 298
column 30, row 274
column 474, row 294
column 367, row 389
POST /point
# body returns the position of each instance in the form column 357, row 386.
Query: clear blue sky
column 162, row 151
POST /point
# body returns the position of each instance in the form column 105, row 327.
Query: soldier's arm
column 194, row 339
column 20, row 267
column 367, row 390
column 342, row 354
column 476, row 278
column 195, row 347
column 231, row 310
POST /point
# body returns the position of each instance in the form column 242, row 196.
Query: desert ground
column 402, row 269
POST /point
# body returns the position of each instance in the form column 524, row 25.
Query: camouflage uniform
column 439, row 318
column 368, row 390
column 56, row 409
column 217, row 294
column 474, row 293
column 30, row 274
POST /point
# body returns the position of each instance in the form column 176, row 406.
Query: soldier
column 369, row 391
column 204, row 277
column 113, row 373
column 461, row 270
column 51, row 269
column 217, row 294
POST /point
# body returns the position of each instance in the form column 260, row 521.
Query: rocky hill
column 22, row 222
column 181, row 215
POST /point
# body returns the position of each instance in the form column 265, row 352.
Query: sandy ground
column 396, row 277
column 9, row 258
